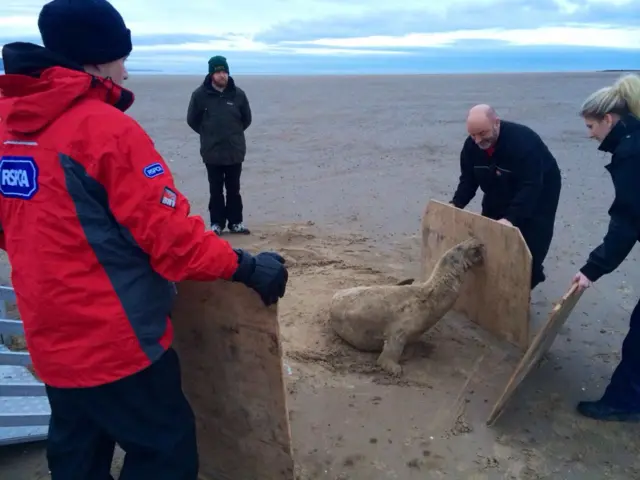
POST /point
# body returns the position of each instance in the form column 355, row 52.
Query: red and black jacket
column 95, row 229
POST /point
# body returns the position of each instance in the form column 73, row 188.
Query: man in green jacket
column 219, row 112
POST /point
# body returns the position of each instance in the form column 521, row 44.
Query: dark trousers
column 224, row 177
column 538, row 231
column 537, row 235
column 146, row 414
column 623, row 390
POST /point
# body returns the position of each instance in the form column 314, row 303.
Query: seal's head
column 472, row 251
column 463, row 256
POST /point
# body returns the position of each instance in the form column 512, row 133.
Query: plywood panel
column 497, row 296
column 539, row 346
column 231, row 357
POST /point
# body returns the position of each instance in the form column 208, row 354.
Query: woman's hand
column 582, row 281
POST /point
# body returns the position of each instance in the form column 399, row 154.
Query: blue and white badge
column 153, row 170
column 18, row 177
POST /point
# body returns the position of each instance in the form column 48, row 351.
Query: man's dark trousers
column 225, row 177
column 147, row 414
column 538, row 230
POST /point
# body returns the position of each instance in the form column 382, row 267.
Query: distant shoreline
column 130, row 70
column 379, row 74
column 619, row 71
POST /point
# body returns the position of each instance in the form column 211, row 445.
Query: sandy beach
column 337, row 175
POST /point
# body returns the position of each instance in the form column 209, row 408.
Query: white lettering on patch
column 15, row 177
column 153, row 170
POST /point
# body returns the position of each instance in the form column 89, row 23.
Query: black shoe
column 599, row 410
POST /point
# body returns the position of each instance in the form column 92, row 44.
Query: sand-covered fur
column 387, row 317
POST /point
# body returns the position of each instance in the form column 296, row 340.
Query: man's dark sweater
column 519, row 176
column 521, row 182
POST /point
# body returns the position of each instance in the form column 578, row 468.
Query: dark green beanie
column 218, row 63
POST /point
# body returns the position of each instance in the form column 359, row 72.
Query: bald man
column 518, row 175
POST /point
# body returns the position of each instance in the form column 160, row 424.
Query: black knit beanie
column 88, row 32
column 218, row 63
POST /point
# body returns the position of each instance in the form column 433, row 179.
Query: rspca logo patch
column 18, row 177
column 153, row 170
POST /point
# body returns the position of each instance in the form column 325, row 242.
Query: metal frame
column 24, row 406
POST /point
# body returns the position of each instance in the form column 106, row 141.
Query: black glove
column 265, row 273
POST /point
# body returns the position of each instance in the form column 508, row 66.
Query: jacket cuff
column 246, row 266
column 592, row 271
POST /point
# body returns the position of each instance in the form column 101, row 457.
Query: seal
column 387, row 317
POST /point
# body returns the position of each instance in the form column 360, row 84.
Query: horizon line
column 154, row 72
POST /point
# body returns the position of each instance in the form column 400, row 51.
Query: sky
column 367, row 36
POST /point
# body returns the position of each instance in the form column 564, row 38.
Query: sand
column 337, row 175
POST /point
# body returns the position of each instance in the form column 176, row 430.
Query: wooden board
column 496, row 296
column 231, row 361
column 539, row 346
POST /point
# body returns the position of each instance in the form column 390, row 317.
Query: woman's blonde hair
column 621, row 98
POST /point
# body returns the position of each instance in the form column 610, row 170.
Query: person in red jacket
column 97, row 233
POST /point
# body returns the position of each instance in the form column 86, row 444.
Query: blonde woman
column 612, row 115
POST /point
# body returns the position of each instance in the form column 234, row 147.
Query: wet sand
column 337, row 175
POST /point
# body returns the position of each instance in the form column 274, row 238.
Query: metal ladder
column 24, row 407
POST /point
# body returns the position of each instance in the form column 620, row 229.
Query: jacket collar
column 627, row 125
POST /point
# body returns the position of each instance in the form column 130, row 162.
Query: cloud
column 410, row 18
column 192, row 30
column 574, row 35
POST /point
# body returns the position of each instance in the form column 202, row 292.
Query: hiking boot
column 239, row 228
column 599, row 410
column 216, row 229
